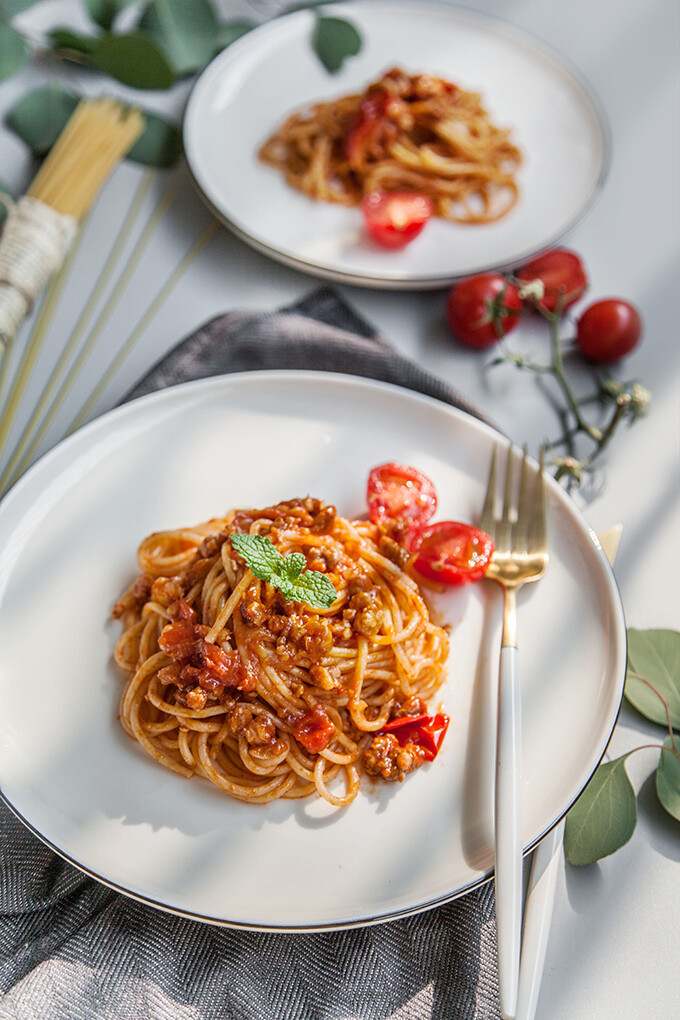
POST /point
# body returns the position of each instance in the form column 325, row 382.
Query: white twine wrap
column 33, row 247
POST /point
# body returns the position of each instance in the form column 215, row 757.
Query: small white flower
column 532, row 290
column 640, row 398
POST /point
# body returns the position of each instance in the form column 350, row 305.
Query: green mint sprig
column 287, row 574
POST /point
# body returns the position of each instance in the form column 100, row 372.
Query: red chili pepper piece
column 427, row 731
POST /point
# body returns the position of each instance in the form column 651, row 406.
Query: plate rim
column 100, row 423
column 405, row 282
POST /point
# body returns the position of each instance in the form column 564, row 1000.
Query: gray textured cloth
column 73, row 948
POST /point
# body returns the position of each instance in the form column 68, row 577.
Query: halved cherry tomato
column 394, row 218
column 396, row 492
column 608, row 329
column 427, row 731
column 482, row 309
column 562, row 274
column 450, row 552
column 366, row 125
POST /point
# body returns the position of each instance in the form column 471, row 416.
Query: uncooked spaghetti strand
column 14, row 470
column 191, row 255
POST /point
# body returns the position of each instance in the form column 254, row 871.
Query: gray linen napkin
column 71, row 948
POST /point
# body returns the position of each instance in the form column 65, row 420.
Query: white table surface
column 615, row 941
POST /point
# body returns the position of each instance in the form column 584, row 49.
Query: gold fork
column 521, row 555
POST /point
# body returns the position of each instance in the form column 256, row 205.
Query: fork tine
column 520, row 535
column 537, row 528
column 487, row 521
column 504, row 525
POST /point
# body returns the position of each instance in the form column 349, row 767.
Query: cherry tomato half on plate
column 394, row 218
column 562, row 274
column 451, row 552
column 396, row 492
column 608, row 329
column 482, row 309
column 427, row 731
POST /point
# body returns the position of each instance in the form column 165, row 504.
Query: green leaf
column 259, row 552
column 266, row 562
column 604, row 816
column 334, row 40
column 186, row 32
column 654, row 655
column 105, row 12
column 40, row 116
column 312, row 587
column 65, row 39
column 134, row 59
column 293, row 565
column 160, row 144
column 13, row 51
column 668, row 779
column 229, row 31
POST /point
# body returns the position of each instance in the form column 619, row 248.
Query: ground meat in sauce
column 386, row 759
column 203, row 673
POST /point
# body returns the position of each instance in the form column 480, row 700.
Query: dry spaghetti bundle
column 263, row 695
column 41, row 226
column 414, row 133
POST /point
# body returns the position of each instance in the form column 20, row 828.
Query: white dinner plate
column 251, row 87
column 68, row 536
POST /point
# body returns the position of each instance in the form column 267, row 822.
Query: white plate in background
column 249, row 89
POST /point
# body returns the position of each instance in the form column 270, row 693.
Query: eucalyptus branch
column 667, row 710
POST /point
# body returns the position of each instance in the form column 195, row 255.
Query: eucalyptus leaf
column 654, row 655
column 39, row 117
column 13, row 51
column 65, row 39
column 668, row 778
column 186, row 32
column 160, row 144
column 134, row 59
column 604, row 816
column 229, row 31
column 334, row 40
column 105, row 12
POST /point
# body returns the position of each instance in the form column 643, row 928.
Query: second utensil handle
column 508, row 830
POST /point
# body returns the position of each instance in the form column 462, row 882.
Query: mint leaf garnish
column 259, row 552
column 312, row 587
column 288, row 575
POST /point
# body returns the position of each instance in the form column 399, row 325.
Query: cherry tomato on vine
column 608, row 329
column 482, row 309
column 395, row 218
column 451, row 552
column 562, row 274
column 396, row 492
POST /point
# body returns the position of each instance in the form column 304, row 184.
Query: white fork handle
column 538, row 908
column 508, row 831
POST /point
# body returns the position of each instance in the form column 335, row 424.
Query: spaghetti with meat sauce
column 264, row 696
column 404, row 133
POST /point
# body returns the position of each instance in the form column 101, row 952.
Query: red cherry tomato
column 608, row 329
column 394, row 218
column 451, row 552
column 399, row 493
column 562, row 275
column 482, row 309
column 427, row 731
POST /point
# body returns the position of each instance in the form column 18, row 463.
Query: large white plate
column 252, row 86
column 68, row 535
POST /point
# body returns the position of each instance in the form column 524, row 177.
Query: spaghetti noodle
column 413, row 133
column 267, row 697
